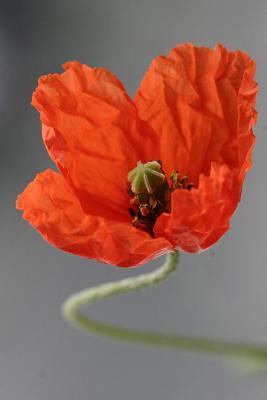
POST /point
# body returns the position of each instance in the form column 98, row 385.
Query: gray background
column 220, row 293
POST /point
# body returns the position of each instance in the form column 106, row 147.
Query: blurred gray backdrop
column 221, row 293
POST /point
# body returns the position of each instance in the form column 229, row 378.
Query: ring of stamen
column 150, row 193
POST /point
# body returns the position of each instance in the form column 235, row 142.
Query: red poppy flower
column 193, row 111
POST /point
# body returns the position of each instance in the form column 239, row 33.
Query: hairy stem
column 250, row 353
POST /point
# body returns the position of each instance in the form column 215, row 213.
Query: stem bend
column 250, row 354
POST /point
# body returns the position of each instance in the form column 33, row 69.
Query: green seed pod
column 146, row 178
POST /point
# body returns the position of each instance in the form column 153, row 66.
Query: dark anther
column 180, row 182
column 150, row 193
column 132, row 212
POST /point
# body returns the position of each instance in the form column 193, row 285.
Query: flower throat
column 150, row 193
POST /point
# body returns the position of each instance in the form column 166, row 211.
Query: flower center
column 150, row 193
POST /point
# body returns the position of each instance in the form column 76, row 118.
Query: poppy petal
column 200, row 102
column 90, row 128
column 51, row 207
column 199, row 217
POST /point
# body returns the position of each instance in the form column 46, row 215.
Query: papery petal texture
column 194, row 112
column 51, row 207
column 199, row 217
column 91, row 130
column 201, row 104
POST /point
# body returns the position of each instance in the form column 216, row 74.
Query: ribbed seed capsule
column 150, row 193
column 146, row 178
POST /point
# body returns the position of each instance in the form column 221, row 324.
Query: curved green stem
column 250, row 353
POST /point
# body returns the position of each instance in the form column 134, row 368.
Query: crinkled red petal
column 199, row 217
column 50, row 206
column 201, row 104
column 92, row 132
